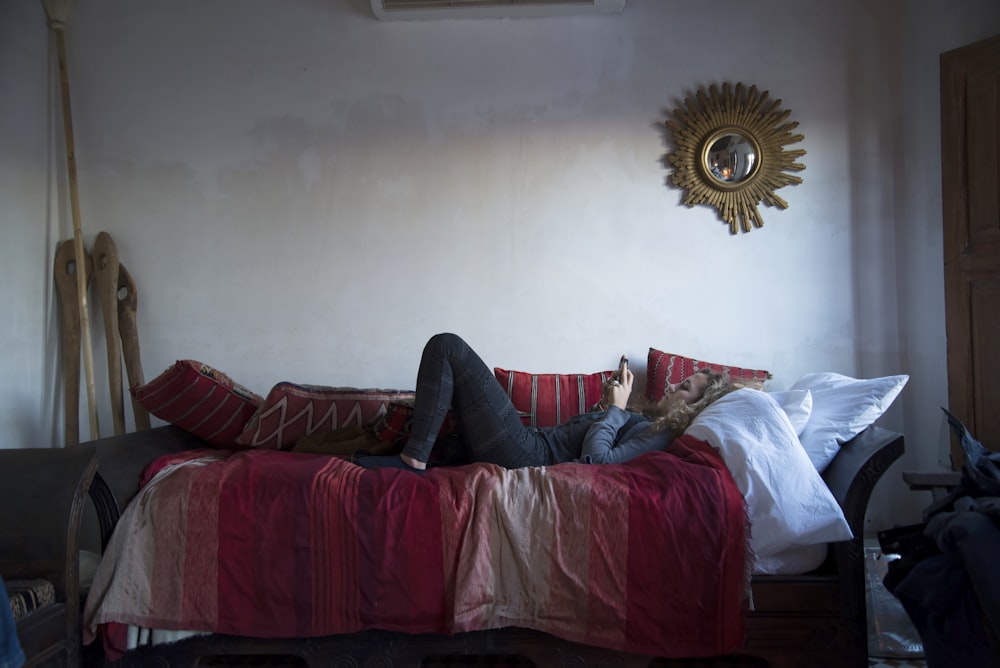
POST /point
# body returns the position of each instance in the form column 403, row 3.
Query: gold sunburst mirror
column 730, row 152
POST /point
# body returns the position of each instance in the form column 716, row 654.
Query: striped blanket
column 646, row 557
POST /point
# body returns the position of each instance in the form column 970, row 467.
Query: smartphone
column 622, row 365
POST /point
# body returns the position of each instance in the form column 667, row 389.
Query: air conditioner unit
column 397, row 10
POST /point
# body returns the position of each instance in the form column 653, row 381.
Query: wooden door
column 970, row 164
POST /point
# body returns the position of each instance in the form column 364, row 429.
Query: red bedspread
column 646, row 557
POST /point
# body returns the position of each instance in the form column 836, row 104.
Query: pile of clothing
column 946, row 577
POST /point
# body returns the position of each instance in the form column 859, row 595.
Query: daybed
column 270, row 552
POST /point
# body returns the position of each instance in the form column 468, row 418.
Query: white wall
column 304, row 193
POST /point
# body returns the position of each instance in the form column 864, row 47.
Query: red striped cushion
column 663, row 368
column 394, row 426
column 200, row 400
column 291, row 411
column 549, row 399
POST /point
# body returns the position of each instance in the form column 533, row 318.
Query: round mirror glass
column 731, row 158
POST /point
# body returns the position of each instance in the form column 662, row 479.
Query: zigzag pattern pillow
column 291, row 411
column 200, row 400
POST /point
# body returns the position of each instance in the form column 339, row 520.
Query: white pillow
column 792, row 561
column 797, row 404
column 789, row 505
column 843, row 407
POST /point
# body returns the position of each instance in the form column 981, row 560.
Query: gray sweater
column 603, row 437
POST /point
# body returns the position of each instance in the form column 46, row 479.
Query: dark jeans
column 453, row 376
column 11, row 655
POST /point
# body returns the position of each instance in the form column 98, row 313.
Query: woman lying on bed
column 452, row 376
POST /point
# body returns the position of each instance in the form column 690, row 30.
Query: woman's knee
column 446, row 342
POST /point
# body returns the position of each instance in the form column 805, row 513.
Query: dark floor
column 469, row 662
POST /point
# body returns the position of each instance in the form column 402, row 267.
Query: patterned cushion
column 199, row 399
column 26, row 596
column 663, row 368
column 291, row 411
column 394, row 426
column 549, row 399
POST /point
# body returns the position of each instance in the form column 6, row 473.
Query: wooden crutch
column 66, row 275
column 106, row 270
column 127, row 302
column 57, row 12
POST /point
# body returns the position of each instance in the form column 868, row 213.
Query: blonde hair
column 679, row 416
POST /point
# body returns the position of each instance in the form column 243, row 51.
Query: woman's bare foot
column 413, row 463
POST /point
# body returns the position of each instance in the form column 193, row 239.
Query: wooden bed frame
column 43, row 494
column 814, row 620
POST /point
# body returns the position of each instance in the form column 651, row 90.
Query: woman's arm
column 611, row 440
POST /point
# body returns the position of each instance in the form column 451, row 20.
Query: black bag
column 980, row 477
column 981, row 468
column 931, row 578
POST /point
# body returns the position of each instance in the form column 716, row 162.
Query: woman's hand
column 617, row 391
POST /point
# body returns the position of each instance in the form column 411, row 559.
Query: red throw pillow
column 291, row 411
column 200, row 400
column 394, row 426
column 663, row 368
column 549, row 399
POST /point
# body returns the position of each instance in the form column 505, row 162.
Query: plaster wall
column 305, row 193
